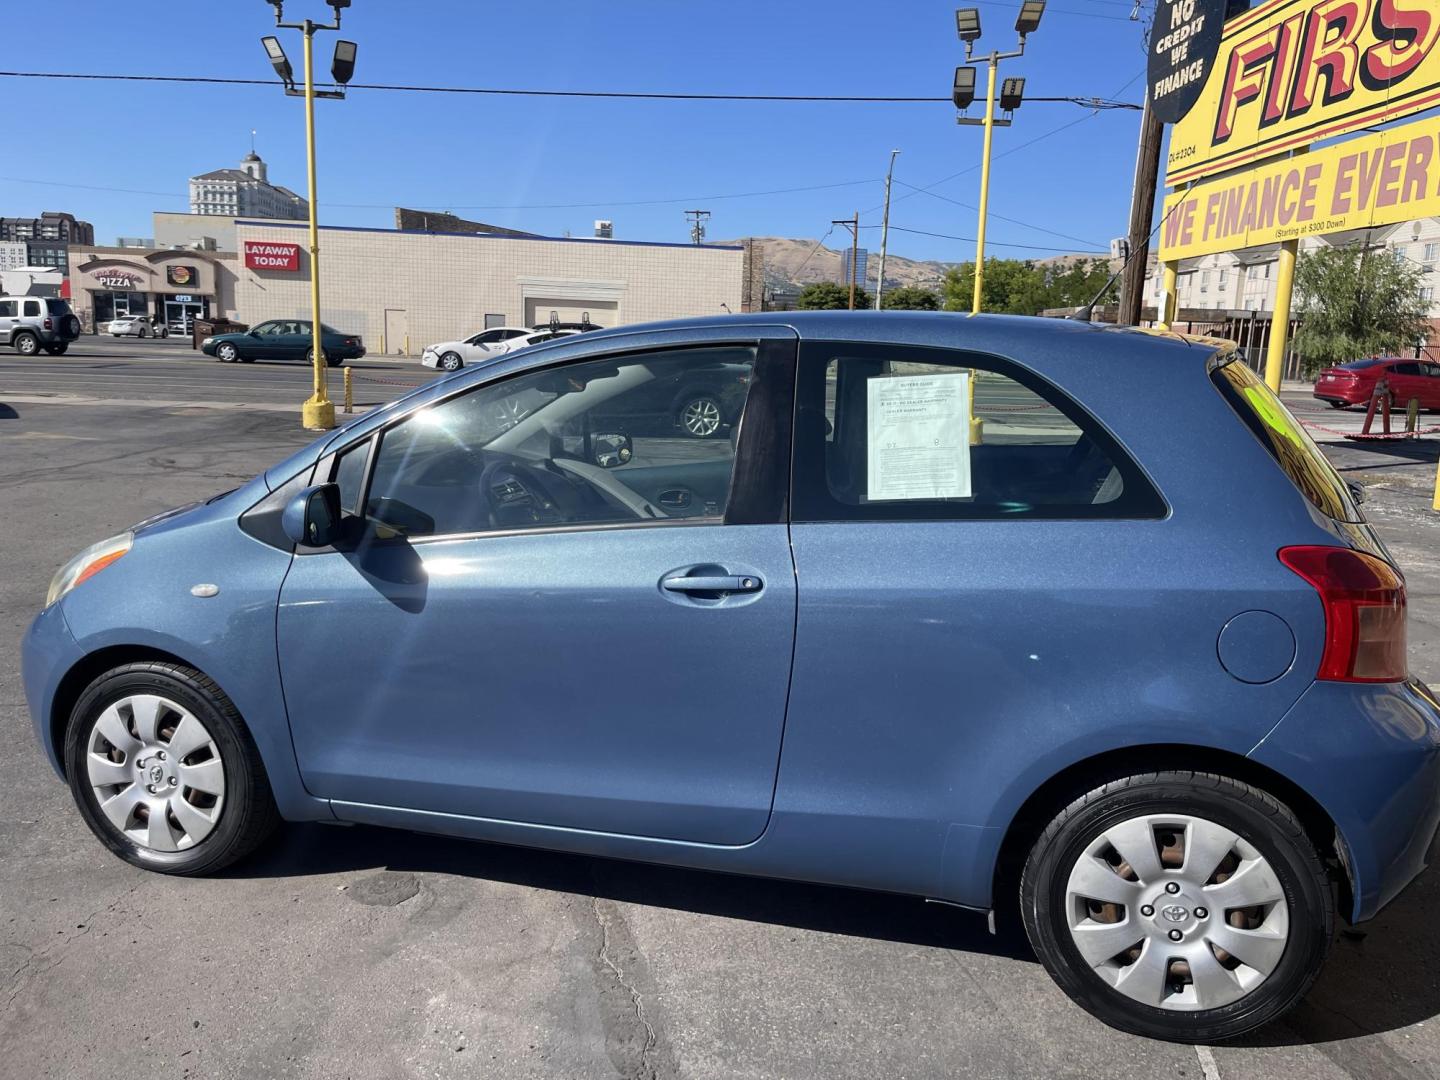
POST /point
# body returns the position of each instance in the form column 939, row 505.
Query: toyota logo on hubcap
column 1175, row 913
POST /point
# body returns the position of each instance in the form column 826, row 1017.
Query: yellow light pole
column 989, row 125
column 317, row 413
column 967, row 27
column 1280, row 318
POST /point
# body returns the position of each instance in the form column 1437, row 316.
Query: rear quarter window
column 1286, row 441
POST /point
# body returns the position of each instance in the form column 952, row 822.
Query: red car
column 1354, row 383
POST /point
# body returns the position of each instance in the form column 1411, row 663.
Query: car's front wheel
column 227, row 353
column 1178, row 905
column 165, row 772
column 451, row 362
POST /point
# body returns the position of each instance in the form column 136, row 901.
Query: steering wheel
column 528, row 480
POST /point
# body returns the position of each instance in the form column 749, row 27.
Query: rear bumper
column 1348, row 396
column 1370, row 755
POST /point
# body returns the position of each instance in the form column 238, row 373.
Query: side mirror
column 313, row 517
column 611, row 451
column 1357, row 491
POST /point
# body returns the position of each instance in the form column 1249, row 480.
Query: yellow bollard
column 349, row 393
column 407, row 344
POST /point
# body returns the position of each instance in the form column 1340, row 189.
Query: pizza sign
column 266, row 255
column 116, row 279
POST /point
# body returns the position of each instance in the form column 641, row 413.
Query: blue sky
column 508, row 160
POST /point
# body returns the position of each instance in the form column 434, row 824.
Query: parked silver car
column 29, row 324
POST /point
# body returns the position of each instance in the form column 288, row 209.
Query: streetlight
column 967, row 28
column 318, row 412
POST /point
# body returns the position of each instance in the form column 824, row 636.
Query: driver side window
column 639, row 439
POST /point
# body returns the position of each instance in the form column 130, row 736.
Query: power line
column 456, row 206
column 624, row 95
column 1001, row 217
column 989, row 243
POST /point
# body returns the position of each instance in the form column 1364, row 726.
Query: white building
column 245, row 192
column 13, row 254
column 401, row 289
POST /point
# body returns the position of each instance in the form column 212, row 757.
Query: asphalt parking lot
column 357, row 952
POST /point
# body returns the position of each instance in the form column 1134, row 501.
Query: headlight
column 208, row 341
column 87, row 564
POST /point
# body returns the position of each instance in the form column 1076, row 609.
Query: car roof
column 1012, row 335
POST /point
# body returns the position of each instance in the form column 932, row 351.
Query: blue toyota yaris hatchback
column 1002, row 612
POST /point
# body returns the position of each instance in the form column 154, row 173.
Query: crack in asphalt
column 639, row 1063
column 33, row 964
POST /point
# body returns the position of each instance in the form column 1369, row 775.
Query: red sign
column 264, row 255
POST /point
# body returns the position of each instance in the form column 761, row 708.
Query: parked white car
column 130, row 326
column 486, row 345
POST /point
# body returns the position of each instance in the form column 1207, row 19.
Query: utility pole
column 1142, row 208
column 853, row 224
column 697, row 224
column 885, row 230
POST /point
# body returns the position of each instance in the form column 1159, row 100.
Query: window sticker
column 917, row 431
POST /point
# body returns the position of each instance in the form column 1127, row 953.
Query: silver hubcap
column 1177, row 912
column 701, row 417
column 156, row 772
column 227, row 352
column 450, row 362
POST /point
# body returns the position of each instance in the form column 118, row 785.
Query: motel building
column 174, row 285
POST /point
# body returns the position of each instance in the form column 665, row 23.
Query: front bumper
column 46, row 655
column 1369, row 754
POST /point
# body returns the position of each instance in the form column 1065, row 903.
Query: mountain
column 791, row 264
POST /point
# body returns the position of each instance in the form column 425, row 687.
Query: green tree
column 829, row 296
column 910, row 298
column 1353, row 303
column 1011, row 286
column 1020, row 287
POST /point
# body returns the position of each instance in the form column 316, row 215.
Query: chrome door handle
column 716, row 584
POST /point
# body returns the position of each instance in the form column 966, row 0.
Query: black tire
column 248, row 814
column 1338, row 405
column 451, row 362
column 25, row 343
column 1258, row 819
column 59, row 348
column 144, row 333
column 226, row 353
column 697, row 425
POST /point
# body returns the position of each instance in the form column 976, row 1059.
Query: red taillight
column 47, row 324
column 1364, row 602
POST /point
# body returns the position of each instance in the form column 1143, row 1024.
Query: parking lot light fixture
column 279, row 60
column 1028, row 21
column 967, row 25
column 342, row 67
column 1012, row 92
column 964, row 92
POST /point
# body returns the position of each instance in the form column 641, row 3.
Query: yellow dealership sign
column 1379, row 179
column 1295, row 72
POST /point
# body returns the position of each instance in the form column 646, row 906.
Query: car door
column 1405, row 382
column 295, row 340
column 481, row 346
column 9, row 311
column 259, row 343
column 515, row 633
column 1429, row 386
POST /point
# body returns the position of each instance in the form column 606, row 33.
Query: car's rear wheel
column 144, row 332
column 1338, row 405
column 700, row 415
column 26, row 344
column 164, row 771
column 58, row 349
column 451, row 362
column 227, row 353
column 1178, row 905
